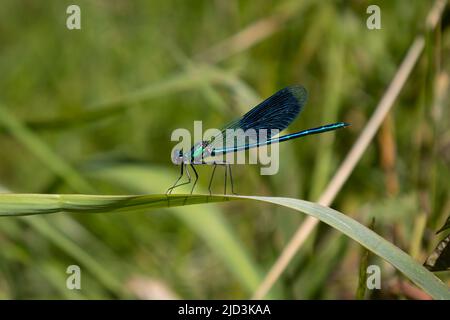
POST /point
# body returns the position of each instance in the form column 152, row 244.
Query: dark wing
column 276, row 112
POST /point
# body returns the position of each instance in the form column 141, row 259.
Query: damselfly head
column 177, row 156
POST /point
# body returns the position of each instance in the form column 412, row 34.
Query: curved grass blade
column 23, row 204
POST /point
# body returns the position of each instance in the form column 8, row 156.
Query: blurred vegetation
column 92, row 110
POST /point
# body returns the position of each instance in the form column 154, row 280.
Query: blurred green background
column 92, row 111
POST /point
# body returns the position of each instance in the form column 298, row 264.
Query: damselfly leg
column 196, row 177
column 176, row 185
column 231, row 179
column 227, row 167
column 211, row 179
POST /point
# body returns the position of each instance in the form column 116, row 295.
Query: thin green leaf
column 25, row 204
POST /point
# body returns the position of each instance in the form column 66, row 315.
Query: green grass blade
column 23, row 204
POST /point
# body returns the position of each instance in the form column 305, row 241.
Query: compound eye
column 177, row 156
